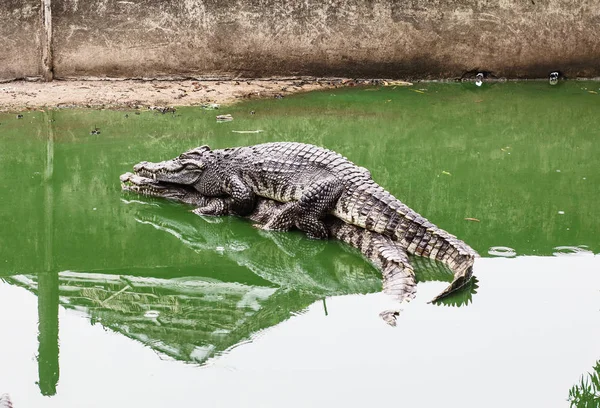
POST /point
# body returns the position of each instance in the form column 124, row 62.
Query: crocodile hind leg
column 282, row 218
column 308, row 212
column 387, row 255
column 314, row 204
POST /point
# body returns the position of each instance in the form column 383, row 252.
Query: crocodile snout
column 125, row 177
column 139, row 166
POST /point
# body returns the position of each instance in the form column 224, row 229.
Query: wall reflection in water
column 194, row 317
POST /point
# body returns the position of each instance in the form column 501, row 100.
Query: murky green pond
column 110, row 299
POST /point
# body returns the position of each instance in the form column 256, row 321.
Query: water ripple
column 571, row 250
column 502, row 251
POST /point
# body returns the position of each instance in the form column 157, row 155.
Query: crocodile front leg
column 242, row 196
column 216, row 206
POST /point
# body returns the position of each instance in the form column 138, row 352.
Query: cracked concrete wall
column 20, row 38
column 367, row 38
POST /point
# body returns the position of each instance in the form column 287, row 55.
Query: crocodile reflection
column 286, row 260
column 290, row 260
column 195, row 318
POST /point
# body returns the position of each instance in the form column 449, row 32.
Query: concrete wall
column 20, row 38
column 367, row 38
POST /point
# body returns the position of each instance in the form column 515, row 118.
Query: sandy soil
column 21, row 95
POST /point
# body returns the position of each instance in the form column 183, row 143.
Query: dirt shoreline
column 135, row 94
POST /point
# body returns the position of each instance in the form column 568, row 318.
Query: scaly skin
column 398, row 274
column 389, row 257
column 313, row 183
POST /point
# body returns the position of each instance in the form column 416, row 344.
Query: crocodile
column 312, row 183
column 382, row 251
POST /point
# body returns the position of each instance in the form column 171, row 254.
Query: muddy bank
column 21, row 95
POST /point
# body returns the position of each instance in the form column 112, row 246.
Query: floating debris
column 593, row 92
column 447, row 173
column 397, row 83
column 152, row 314
column 479, row 79
column 417, row 91
column 554, row 78
column 210, row 106
column 561, row 212
column 224, row 118
column 472, row 219
column 163, row 109
column 247, row 131
column 95, row 131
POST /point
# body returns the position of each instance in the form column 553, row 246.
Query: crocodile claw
column 389, row 316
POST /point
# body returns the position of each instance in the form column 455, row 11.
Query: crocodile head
column 153, row 188
column 185, row 169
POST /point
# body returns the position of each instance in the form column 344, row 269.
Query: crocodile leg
column 388, row 256
column 315, row 203
column 243, row 198
column 216, row 207
column 398, row 273
column 282, row 219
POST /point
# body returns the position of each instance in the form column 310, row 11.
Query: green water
column 177, row 297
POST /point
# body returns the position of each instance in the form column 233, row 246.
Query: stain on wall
column 366, row 38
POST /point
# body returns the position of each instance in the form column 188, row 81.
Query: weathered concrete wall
column 20, row 49
column 368, row 38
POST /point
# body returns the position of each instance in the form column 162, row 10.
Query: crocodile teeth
column 154, row 176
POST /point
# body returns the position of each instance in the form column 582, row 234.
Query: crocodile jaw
column 151, row 187
column 175, row 171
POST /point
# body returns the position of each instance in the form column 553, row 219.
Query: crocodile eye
column 190, row 156
column 195, row 154
column 193, row 165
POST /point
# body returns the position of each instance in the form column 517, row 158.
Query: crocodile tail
column 372, row 207
column 461, row 279
column 398, row 274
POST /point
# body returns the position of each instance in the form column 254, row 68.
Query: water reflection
column 572, row 250
column 48, row 301
column 196, row 317
column 191, row 288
